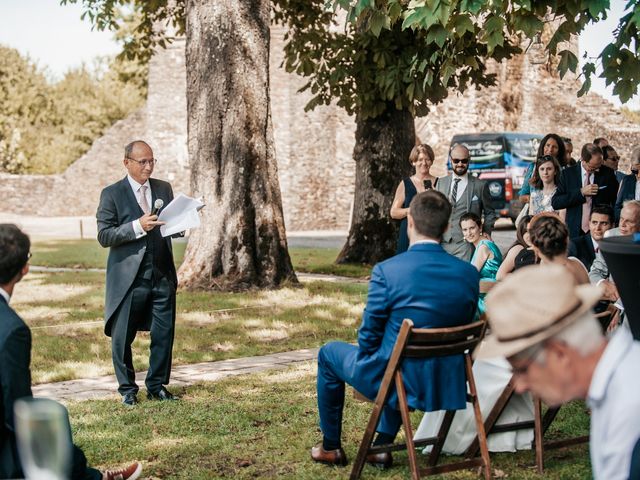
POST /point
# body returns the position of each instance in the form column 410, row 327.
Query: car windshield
column 485, row 153
column 524, row 148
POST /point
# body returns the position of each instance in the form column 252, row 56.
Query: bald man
column 141, row 276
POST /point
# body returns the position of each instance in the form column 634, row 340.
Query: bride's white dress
column 491, row 378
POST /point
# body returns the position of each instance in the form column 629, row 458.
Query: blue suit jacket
column 433, row 289
column 627, row 192
column 15, row 382
column 568, row 194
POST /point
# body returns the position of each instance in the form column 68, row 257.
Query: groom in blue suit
column 430, row 287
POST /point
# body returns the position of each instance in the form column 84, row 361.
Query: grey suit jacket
column 599, row 270
column 478, row 201
column 117, row 210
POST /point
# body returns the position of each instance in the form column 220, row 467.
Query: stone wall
column 314, row 149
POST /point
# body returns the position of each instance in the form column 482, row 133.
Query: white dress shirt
column 637, row 197
column 135, row 186
column 5, row 294
column 614, row 399
column 462, row 185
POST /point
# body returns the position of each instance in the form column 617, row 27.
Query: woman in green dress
column 486, row 257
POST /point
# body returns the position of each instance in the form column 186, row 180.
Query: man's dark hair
column 603, row 210
column 430, row 212
column 597, row 140
column 588, row 151
column 14, row 252
column 607, row 152
column 129, row 147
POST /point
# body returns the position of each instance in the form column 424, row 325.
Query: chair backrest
column 439, row 342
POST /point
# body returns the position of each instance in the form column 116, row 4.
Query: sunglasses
column 460, row 160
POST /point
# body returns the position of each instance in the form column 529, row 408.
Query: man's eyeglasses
column 460, row 160
column 615, row 159
column 144, row 163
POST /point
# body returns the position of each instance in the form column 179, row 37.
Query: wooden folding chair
column 424, row 344
column 539, row 424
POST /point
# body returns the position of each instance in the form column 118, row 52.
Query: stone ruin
column 314, row 149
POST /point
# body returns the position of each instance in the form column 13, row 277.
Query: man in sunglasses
column 141, row 276
column 466, row 194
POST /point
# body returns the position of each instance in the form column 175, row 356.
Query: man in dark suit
column 584, row 186
column 15, row 360
column 425, row 284
column 585, row 247
column 141, row 276
column 630, row 185
column 466, row 194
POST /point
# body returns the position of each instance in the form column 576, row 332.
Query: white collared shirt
column 614, row 399
column 135, row 186
column 462, row 185
column 637, row 197
column 4, row 293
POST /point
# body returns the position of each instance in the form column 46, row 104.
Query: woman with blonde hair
column 421, row 158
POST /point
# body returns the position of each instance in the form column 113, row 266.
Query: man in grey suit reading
column 141, row 276
column 466, row 194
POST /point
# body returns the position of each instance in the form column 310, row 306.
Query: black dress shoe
column 330, row 457
column 162, row 394
column 129, row 399
column 380, row 460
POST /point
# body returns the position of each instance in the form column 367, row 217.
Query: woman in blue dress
column 421, row 158
column 486, row 257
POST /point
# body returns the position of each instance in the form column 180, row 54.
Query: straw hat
column 531, row 305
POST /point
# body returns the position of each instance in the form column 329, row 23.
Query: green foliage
column 410, row 53
column 45, row 126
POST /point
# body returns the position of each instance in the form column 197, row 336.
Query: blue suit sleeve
column 565, row 196
column 15, row 377
column 376, row 313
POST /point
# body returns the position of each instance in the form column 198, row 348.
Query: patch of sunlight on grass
column 200, row 318
column 323, row 314
column 158, row 443
column 65, row 370
column 253, row 323
column 43, row 313
column 296, row 373
column 350, row 321
column 39, row 292
column 289, row 298
column 242, row 390
column 222, row 347
column 268, row 334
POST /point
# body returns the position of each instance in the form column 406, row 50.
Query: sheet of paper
column 181, row 214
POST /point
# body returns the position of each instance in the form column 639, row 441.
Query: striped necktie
column 454, row 190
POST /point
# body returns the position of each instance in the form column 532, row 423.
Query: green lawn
column 89, row 254
column 65, row 312
column 262, row 426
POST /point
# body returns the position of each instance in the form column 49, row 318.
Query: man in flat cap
column 548, row 333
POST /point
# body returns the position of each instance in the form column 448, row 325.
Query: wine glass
column 44, row 438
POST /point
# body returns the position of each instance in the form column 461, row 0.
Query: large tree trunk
column 381, row 153
column 241, row 243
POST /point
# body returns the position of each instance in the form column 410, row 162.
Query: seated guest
column 486, row 256
column 558, row 353
column 630, row 185
column 584, row 186
column 611, row 159
column 599, row 273
column 584, row 247
column 15, row 355
column 523, row 242
column 433, row 289
column 550, row 239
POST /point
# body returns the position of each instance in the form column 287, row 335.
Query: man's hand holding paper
column 181, row 214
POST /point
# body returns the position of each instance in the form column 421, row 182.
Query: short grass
column 64, row 311
column 89, row 254
column 262, row 426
